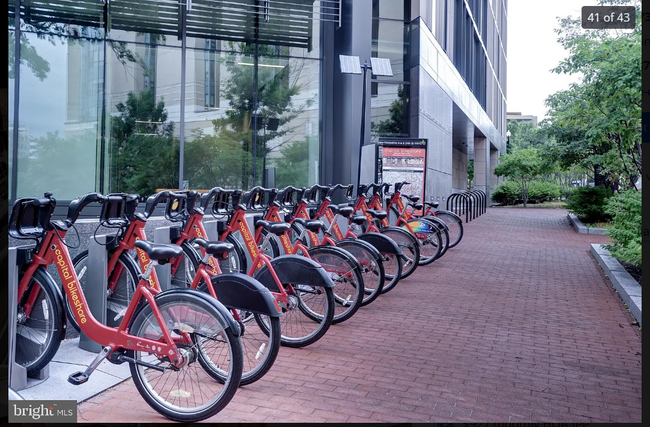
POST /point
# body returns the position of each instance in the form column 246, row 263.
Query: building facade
column 138, row 95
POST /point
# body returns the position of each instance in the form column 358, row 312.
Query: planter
column 625, row 285
column 583, row 229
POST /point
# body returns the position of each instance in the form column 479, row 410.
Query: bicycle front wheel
column 187, row 393
column 372, row 268
column 455, row 225
column 39, row 327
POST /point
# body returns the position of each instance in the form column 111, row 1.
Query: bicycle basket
column 30, row 217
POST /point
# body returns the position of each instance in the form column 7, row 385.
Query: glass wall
column 106, row 105
column 390, row 95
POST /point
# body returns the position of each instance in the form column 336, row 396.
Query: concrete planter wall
column 626, row 286
column 583, row 229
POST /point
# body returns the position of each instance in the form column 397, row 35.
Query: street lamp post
column 352, row 65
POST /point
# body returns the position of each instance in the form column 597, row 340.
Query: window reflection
column 389, row 110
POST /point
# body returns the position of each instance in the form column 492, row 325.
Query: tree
column 394, row 125
column 524, row 165
column 292, row 167
column 143, row 151
column 526, row 135
column 597, row 122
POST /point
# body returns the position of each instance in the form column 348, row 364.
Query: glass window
column 143, row 114
column 9, row 125
column 271, row 125
column 58, row 129
column 390, row 9
column 389, row 41
column 389, row 111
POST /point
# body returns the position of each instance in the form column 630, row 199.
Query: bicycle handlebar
column 162, row 196
column 399, row 185
column 223, row 199
column 30, row 216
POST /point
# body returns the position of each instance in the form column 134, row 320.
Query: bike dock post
column 96, row 285
column 212, row 228
column 164, row 272
column 17, row 374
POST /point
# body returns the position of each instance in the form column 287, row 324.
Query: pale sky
column 533, row 51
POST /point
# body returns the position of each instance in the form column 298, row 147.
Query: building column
column 482, row 165
column 494, row 180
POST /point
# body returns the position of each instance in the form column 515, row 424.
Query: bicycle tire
column 272, row 249
column 219, row 394
column 393, row 216
column 455, row 224
column 119, row 299
column 444, row 233
column 410, row 248
column 295, row 312
column 345, row 272
column 235, row 261
column 429, row 237
column 47, row 315
column 372, row 267
column 255, row 342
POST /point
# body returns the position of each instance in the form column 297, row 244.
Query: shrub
column 588, row 204
column 625, row 209
column 541, row 191
column 506, row 193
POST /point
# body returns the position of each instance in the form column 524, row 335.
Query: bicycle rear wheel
column 455, row 225
column 372, row 268
column 410, row 248
column 345, row 272
column 187, row 393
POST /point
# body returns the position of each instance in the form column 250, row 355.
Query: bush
column 541, row 191
column 625, row 209
column 588, row 204
column 509, row 192
column 506, row 193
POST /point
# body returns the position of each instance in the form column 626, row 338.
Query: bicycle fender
column 46, row 278
column 349, row 242
column 383, row 244
column 226, row 317
column 294, row 269
column 236, row 290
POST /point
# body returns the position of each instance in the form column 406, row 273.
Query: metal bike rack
column 17, row 374
column 472, row 203
column 164, row 272
column 96, row 285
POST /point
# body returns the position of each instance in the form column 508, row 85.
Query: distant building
column 518, row 117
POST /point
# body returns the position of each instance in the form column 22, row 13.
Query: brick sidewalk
column 515, row 324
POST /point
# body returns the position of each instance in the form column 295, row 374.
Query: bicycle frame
column 238, row 222
column 403, row 217
column 54, row 251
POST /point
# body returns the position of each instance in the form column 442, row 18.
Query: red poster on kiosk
column 404, row 163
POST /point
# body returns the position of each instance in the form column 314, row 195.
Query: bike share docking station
column 18, row 379
column 96, row 286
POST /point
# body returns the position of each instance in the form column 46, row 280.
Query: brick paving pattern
column 515, row 324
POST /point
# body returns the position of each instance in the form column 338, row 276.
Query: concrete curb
column 583, row 229
column 626, row 286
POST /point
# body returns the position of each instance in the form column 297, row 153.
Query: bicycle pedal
column 78, row 378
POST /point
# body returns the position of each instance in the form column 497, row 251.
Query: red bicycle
column 301, row 287
column 429, row 210
column 170, row 339
column 431, row 233
column 341, row 265
column 242, row 295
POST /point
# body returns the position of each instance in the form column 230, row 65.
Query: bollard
column 17, row 374
column 96, row 285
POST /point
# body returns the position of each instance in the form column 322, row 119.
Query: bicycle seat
column 380, row 215
column 159, row 251
column 277, row 228
column 215, row 248
column 310, row 224
column 343, row 210
column 358, row 219
column 432, row 204
column 413, row 199
column 416, row 206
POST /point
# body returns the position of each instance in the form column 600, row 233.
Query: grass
column 606, row 225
